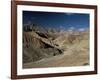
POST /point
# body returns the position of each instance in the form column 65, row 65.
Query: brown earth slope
column 40, row 50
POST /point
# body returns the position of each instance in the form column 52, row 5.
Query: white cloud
column 72, row 28
column 81, row 29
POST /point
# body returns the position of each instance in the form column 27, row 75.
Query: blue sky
column 57, row 20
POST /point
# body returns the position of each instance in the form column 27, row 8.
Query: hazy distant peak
column 71, row 29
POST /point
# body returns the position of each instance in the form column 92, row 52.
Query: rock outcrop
column 36, row 47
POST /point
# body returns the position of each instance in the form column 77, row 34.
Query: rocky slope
column 36, row 47
column 44, row 49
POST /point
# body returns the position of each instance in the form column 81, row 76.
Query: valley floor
column 63, row 60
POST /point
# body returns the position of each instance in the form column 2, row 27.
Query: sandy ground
column 69, row 58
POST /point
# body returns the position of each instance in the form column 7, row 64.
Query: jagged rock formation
column 36, row 47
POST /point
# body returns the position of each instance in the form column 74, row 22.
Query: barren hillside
column 55, row 49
